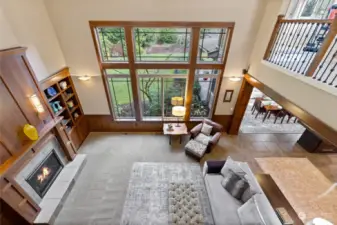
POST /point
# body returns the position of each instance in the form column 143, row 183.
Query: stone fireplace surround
column 51, row 203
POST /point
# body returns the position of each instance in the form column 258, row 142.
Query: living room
column 130, row 114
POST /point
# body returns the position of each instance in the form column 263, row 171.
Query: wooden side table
column 176, row 131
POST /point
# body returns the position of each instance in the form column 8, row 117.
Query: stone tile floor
column 98, row 196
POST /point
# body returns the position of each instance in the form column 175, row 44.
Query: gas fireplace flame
column 44, row 175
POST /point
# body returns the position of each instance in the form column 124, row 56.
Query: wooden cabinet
column 315, row 144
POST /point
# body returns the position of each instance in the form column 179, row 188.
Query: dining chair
column 259, row 108
column 255, row 104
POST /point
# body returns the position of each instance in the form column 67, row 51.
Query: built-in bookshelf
column 62, row 99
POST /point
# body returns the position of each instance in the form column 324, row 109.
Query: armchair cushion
column 203, row 139
column 206, row 129
column 216, row 126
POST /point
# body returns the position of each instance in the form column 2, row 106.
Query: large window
column 162, row 44
column 157, row 88
column 147, row 66
column 120, row 90
column 211, row 45
column 204, row 93
column 112, row 44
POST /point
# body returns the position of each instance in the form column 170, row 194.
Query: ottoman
column 184, row 205
column 195, row 149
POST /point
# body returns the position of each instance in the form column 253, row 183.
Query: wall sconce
column 235, row 79
column 36, row 103
column 84, row 78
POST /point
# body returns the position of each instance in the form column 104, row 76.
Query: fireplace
column 44, row 175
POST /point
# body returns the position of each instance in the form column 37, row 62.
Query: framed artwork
column 228, row 96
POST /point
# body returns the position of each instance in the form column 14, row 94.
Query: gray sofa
column 225, row 207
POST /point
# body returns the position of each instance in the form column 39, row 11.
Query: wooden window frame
column 132, row 65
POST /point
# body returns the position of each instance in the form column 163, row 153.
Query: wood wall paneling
column 104, row 123
column 11, row 122
column 18, row 77
column 9, row 217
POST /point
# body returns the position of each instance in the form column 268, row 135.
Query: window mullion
column 191, row 73
column 133, row 75
column 162, row 99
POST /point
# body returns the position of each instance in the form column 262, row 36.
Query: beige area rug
column 308, row 191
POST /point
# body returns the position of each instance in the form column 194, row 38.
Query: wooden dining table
column 270, row 107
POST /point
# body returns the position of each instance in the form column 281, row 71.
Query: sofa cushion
column 203, row 139
column 224, row 206
column 267, row 211
column 239, row 188
column 206, row 129
column 249, row 213
column 232, row 165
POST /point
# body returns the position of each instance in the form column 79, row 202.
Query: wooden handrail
column 305, row 21
column 273, row 37
column 323, row 49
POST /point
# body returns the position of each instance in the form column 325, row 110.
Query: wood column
column 191, row 75
column 273, row 37
column 240, row 107
column 323, row 49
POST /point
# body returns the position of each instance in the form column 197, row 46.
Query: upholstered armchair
column 214, row 136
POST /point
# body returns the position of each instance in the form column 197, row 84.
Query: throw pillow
column 206, row 129
column 232, row 165
column 251, row 190
column 250, row 214
column 239, row 188
column 229, row 180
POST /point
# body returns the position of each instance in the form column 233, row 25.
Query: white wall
column 316, row 98
column 27, row 24
column 70, row 19
column 9, row 40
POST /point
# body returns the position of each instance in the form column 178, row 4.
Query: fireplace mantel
column 28, row 146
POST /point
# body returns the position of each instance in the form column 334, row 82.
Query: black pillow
column 215, row 166
column 229, row 180
column 234, row 184
column 239, row 188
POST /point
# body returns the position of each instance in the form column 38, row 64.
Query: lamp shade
column 178, row 111
column 177, row 100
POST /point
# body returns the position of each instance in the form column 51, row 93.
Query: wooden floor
column 247, row 147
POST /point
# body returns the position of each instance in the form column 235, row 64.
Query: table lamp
column 178, row 111
column 177, row 101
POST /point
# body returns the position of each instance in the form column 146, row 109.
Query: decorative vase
column 58, row 106
column 63, row 85
column 51, row 92
column 31, row 132
column 70, row 104
column 76, row 115
column 54, row 107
